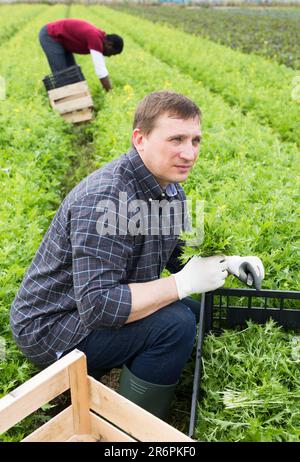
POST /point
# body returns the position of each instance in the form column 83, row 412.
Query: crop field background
column 242, row 68
column 270, row 32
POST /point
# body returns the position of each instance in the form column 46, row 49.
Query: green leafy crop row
column 254, row 84
column 35, row 152
column 270, row 32
column 14, row 17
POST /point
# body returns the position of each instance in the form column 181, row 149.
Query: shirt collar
column 171, row 190
column 150, row 185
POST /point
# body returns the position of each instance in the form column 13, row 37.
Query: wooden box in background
column 73, row 102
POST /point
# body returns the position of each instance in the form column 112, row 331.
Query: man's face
column 171, row 149
column 108, row 49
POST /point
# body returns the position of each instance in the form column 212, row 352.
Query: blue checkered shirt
column 78, row 279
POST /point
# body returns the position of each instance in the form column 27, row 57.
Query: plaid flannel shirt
column 78, row 279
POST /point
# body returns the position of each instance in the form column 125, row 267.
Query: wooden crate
column 97, row 413
column 73, row 102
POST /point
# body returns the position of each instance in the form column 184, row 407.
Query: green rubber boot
column 151, row 397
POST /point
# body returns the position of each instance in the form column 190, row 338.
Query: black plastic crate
column 229, row 308
column 72, row 74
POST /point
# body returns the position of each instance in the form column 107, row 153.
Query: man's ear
column 107, row 46
column 138, row 139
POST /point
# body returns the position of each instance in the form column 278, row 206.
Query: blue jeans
column 58, row 58
column 155, row 348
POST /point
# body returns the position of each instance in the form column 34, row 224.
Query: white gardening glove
column 249, row 270
column 201, row 275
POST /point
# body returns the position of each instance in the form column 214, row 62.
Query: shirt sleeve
column 99, row 64
column 99, row 264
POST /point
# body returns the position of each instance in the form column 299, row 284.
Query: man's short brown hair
column 158, row 103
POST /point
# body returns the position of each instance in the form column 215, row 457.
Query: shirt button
column 150, row 199
column 162, row 194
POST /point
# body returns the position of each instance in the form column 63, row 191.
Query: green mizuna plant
column 250, row 386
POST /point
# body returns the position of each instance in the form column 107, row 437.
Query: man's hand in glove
column 201, row 275
column 249, row 270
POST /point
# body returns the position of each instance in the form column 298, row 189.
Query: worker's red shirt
column 76, row 35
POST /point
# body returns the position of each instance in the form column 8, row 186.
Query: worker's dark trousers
column 155, row 348
column 58, row 58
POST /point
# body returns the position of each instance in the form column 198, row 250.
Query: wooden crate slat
column 52, row 103
column 59, row 428
column 64, row 107
column 36, row 392
column 118, row 419
column 141, row 425
column 73, row 102
column 80, row 397
column 78, row 116
column 17, row 407
column 68, row 90
column 72, row 97
column 82, row 439
column 106, row 432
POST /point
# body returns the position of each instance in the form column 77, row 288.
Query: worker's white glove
column 249, row 270
column 201, row 275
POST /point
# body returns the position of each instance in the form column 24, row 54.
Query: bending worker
column 61, row 38
column 95, row 282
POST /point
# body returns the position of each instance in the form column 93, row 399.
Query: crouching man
column 95, row 283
